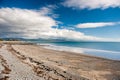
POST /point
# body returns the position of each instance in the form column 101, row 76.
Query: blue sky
column 83, row 20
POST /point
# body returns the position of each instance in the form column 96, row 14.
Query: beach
column 24, row 61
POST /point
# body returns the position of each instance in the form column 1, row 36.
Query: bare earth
column 31, row 62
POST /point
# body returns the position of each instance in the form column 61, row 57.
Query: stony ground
column 31, row 62
column 12, row 68
column 68, row 66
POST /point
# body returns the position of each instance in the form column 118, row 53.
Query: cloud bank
column 92, row 4
column 25, row 23
column 34, row 24
column 95, row 25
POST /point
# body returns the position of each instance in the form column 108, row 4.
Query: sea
column 109, row 50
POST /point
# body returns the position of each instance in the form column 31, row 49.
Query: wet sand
column 47, row 64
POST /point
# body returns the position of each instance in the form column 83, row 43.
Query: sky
column 79, row 20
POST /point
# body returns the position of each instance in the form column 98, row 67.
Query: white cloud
column 26, row 23
column 95, row 25
column 92, row 4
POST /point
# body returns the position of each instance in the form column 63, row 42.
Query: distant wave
column 73, row 49
column 115, row 55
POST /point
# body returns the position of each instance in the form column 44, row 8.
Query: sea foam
column 115, row 55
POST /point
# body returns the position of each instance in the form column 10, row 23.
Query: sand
column 39, row 63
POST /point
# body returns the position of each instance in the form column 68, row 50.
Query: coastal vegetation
column 9, row 39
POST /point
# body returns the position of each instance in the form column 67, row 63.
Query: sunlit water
column 110, row 50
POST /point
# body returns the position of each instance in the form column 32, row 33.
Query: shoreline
column 72, row 52
column 42, row 46
column 83, row 51
column 64, row 65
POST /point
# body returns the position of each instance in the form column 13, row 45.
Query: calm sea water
column 110, row 50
